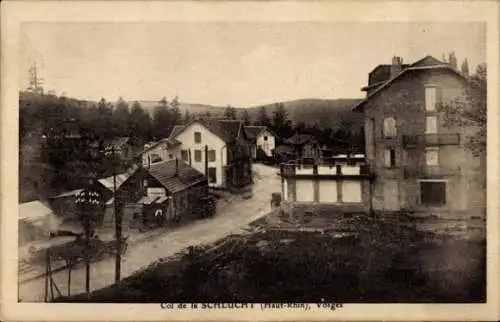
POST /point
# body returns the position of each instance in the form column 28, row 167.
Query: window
column 170, row 156
column 430, row 124
column 197, row 137
column 197, row 155
column 212, row 175
column 430, row 98
column 390, row 127
column 211, row 155
column 433, row 193
column 184, row 155
column 390, row 158
column 432, row 157
column 155, row 158
column 265, row 138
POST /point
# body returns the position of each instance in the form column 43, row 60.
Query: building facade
column 163, row 150
column 262, row 139
column 217, row 148
column 173, row 190
column 420, row 163
column 343, row 182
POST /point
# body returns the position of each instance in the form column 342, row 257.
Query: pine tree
column 263, row 118
column 121, row 117
column 465, row 67
column 175, row 112
column 280, row 123
column 246, row 117
column 229, row 113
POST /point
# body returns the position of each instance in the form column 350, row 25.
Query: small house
column 163, row 150
column 262, row 140
column 173, row 190
column 306, row 147
column 36, row 222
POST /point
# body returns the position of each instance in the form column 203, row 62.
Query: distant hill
column 324, row 113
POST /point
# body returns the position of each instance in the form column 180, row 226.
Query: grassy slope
column 387, row 262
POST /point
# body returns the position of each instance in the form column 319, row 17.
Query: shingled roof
column 426, row 63
column 227, row 130
column 254, row 130
column 299, row 139
column 175, row 180
column 170, row 142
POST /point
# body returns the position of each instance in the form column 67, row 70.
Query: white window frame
column 390, row 132
column 428, row 106
column 427, row 129
column 427, row 153
column 387, row 158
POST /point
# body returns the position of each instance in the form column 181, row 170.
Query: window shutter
column 387, row 158
column 439, row 97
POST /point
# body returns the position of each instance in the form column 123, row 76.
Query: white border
column 15, row 12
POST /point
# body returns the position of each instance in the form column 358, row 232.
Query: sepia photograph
column 252, row 164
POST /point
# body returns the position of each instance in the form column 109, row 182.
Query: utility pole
column 206, row 160
column 118, row 220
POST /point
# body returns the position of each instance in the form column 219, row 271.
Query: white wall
column 164, row 153
column 304, row 190
column 213, row 142
column 269, row 145
column 328, row 191
column 351, row 191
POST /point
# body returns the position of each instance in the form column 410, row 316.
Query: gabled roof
column 426, row 63
column 233, row 127
column 300, row 139
column 170, row 142
column 253, row 131
column 33, row 210
column 228, row 131
column 176, row 131
column 175, row 180
column 108, row 182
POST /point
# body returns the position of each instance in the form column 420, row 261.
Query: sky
column 241, row 64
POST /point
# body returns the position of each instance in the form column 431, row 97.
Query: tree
column 470, row 111
column 121, row 117
column 280, row 123
column 246, row 117
column 230, row 113
column 262, row 118
column 465, row 67
column 162, row 123
column 187, row 117
column 175, row 112
column 140, row 123
column 452, row 60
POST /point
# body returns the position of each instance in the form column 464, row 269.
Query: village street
column 230, row 217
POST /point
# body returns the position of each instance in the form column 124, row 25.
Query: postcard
column 228, row 160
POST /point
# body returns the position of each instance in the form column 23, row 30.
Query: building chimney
column 396, row 66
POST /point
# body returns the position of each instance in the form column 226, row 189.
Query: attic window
column 265, row 138
column 197, row 137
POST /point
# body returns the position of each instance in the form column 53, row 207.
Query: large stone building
column 420, row 164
